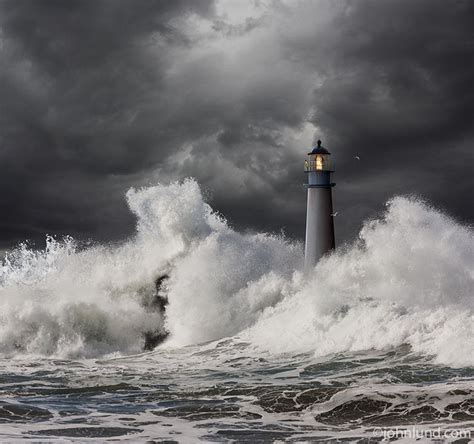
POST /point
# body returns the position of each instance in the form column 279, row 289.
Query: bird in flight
column 334, row 214
column 357, row 157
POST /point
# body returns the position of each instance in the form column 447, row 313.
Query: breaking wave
column 408, row 279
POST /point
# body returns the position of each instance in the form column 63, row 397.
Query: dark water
column 225, row 392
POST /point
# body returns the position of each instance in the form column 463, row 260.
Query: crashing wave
column 188, row 276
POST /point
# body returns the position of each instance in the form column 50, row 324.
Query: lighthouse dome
column 319, row 149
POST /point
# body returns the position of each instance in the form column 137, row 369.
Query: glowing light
column 319, row 162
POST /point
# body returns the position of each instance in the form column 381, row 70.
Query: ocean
column 191, row 331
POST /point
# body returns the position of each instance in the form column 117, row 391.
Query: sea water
column 377, row 340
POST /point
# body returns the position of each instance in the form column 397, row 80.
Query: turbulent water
column 380, row 337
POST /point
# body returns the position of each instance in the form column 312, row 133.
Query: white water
column 407, row 280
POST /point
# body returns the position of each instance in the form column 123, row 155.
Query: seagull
column 357, row 157
column 334, row 214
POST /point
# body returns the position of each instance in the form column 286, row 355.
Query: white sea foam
column 408, row 279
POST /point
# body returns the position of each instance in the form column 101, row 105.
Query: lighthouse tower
column 319, row 213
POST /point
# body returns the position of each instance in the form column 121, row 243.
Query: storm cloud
column 97, row 96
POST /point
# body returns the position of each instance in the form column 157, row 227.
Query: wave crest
column 408, row 279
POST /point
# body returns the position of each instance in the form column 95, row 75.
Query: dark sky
column 97, row 96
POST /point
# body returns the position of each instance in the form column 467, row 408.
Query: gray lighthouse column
column 319, row 211
column 319, row 226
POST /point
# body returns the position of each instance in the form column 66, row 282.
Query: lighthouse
column 319, row 212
